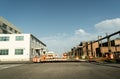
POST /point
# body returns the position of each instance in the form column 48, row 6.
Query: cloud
column 62, row 42
column 57, row 43
column 81, row 32
column 108, row 26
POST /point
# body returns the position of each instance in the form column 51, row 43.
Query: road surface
column 73, row 70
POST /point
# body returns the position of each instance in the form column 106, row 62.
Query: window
column 4, row 51
column 5, row 32
column 5, row 38
column 15, row 31
column 11, row 29
column 4, row 26
column 19, row 38
column 18, row 51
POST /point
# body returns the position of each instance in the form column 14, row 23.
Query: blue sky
column 62, row 24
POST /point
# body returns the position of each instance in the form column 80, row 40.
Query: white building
column 20, row 47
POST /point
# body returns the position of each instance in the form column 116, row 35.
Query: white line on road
column 9, row 66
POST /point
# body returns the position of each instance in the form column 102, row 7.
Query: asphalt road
column 73, row 70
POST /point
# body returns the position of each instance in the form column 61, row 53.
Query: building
column 51, row 55
column 20, row 47
column 98, row 48
column 114, row 47
column 15, row 46
column 7, row 27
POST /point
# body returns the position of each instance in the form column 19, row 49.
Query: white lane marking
column 8, row 66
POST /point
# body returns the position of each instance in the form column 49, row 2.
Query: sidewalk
column 105, row 62
column 14, row 62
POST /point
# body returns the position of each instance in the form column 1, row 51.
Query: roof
column 38, row 40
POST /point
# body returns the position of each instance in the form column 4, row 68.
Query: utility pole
column 91, row 43
column 109, row 44
column 99, row 46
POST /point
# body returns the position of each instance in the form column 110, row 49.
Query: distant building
column 7, row 27
column 97, row 49
column 20, row 47
column 51, row 55
column 114, row 47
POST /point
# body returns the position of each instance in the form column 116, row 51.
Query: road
column 73, row 70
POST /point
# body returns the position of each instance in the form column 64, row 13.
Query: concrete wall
column 113, row 49
column 117, row 42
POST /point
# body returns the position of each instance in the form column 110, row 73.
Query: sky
column 63, row 24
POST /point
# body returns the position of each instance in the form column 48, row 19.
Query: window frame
column 19, row 38
column 4, row 38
